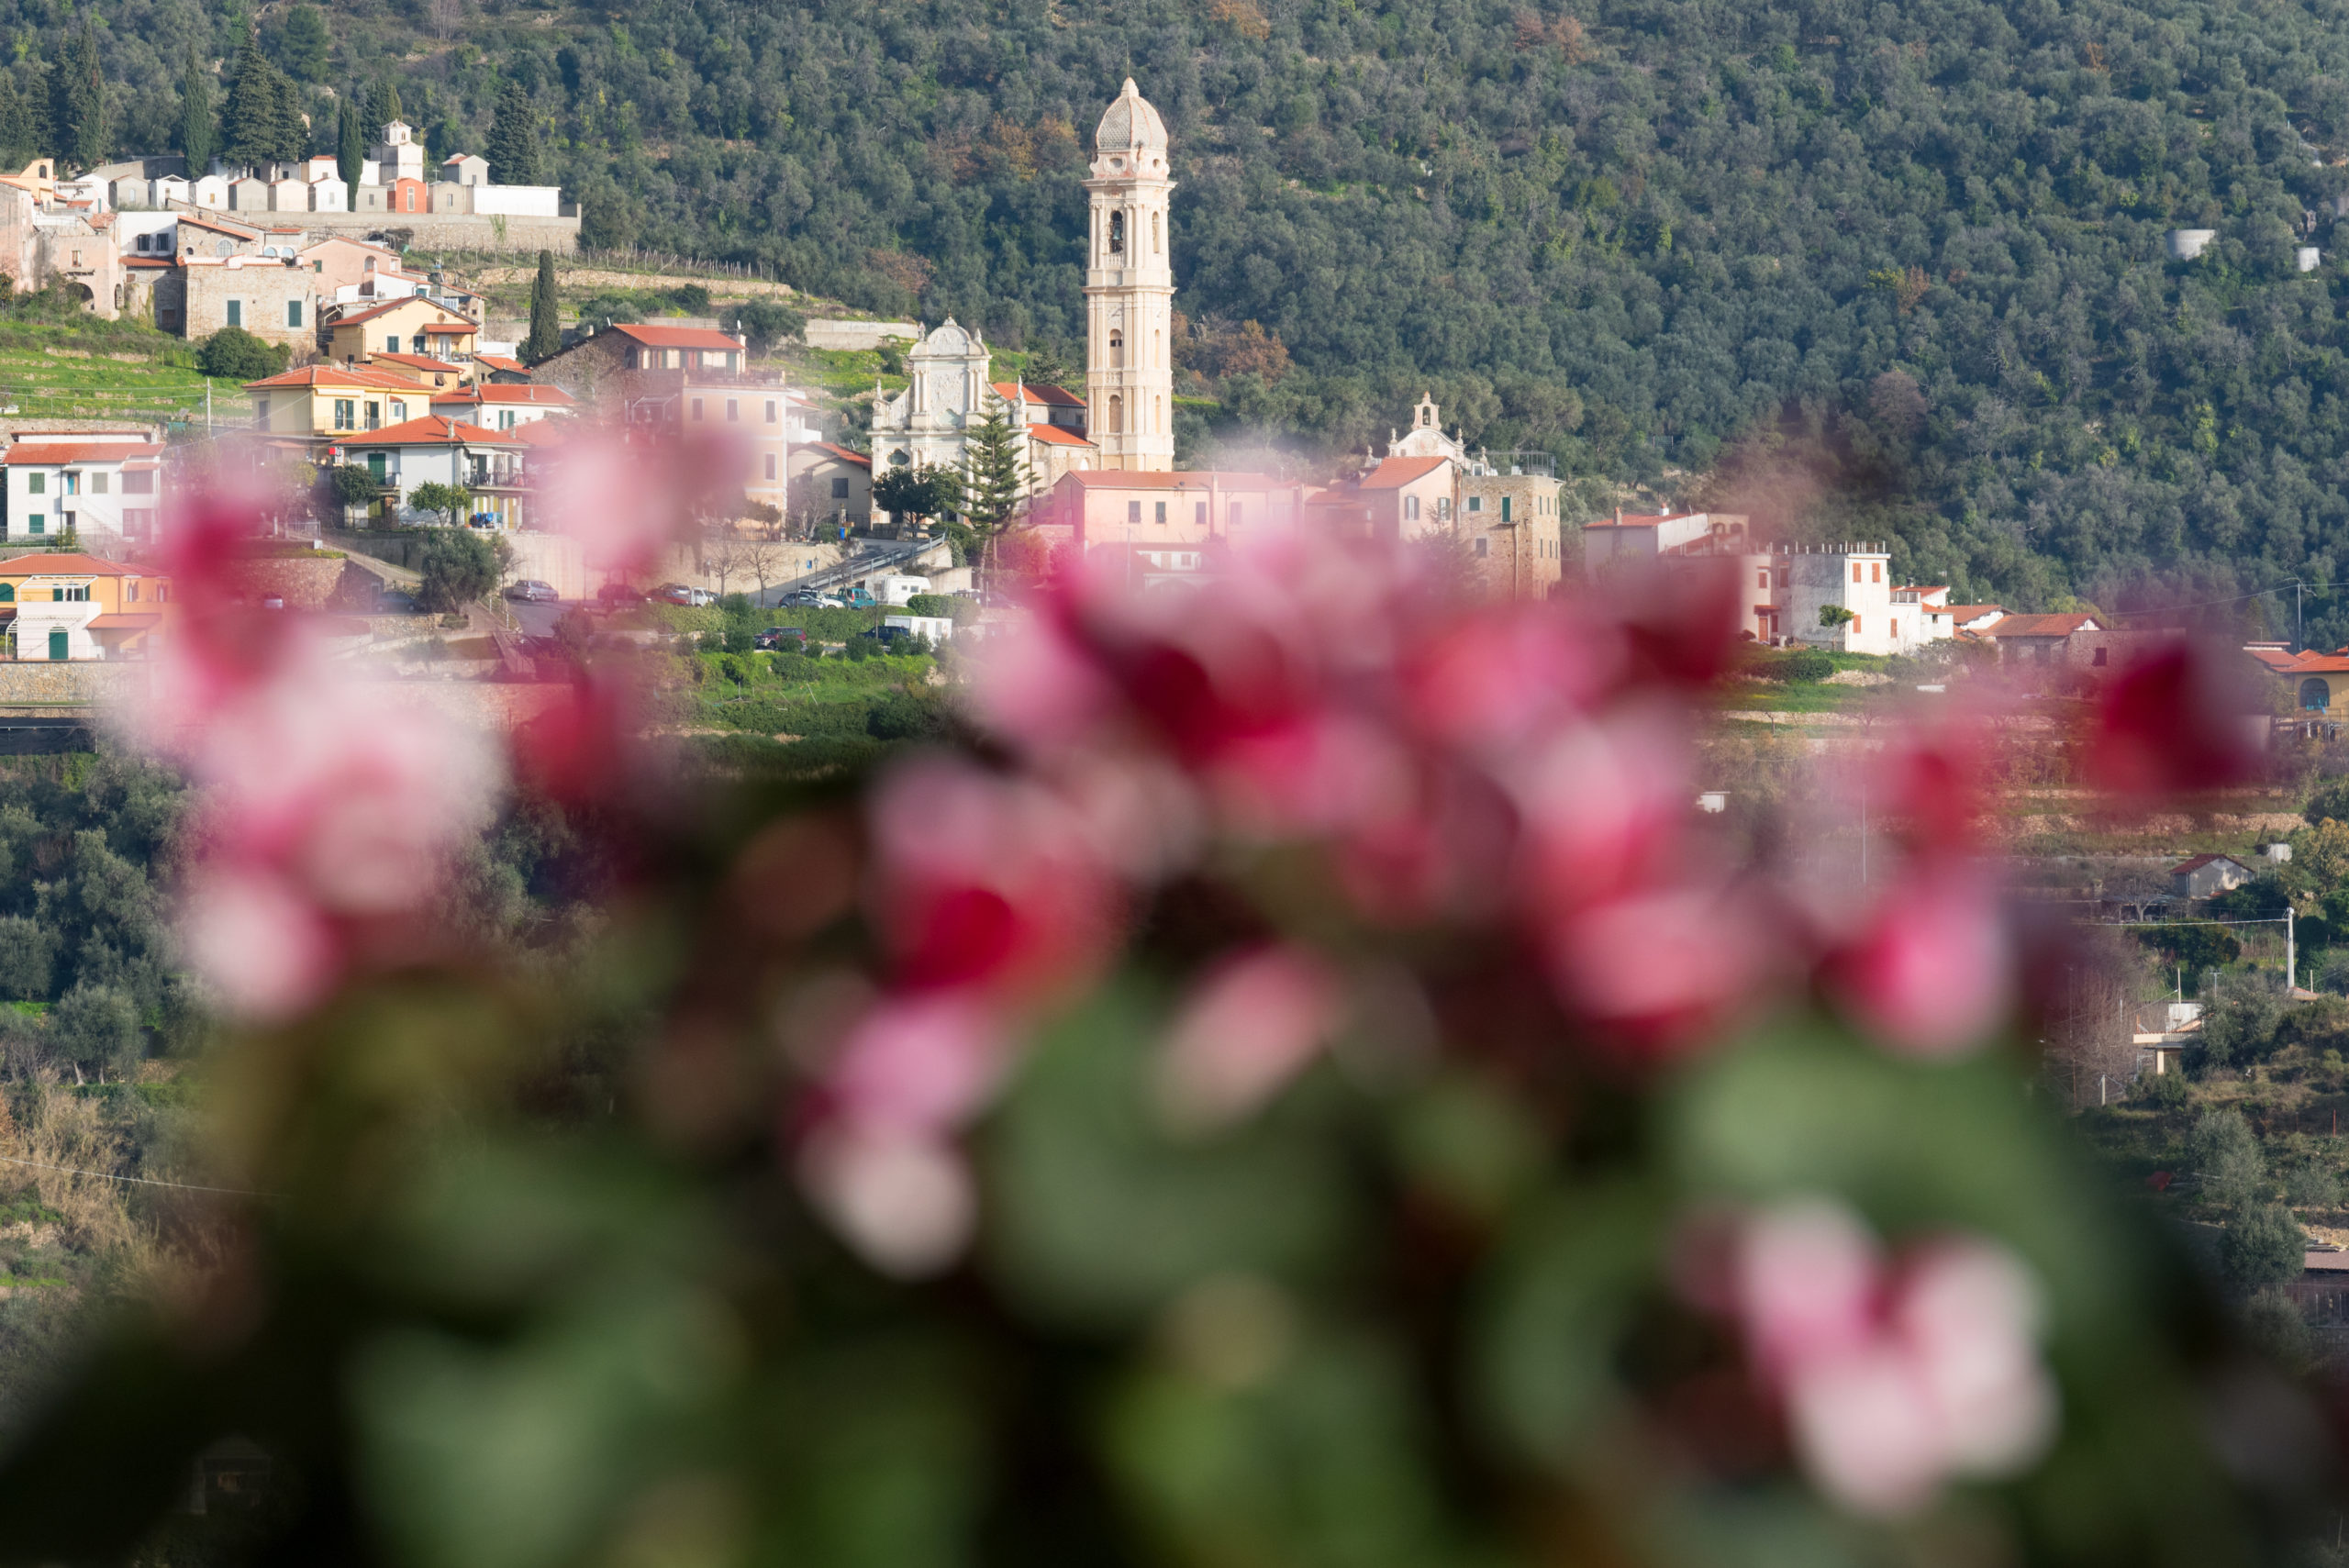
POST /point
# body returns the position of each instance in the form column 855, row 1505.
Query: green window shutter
column 8, row 593
column 236, row 313
column 57, row 645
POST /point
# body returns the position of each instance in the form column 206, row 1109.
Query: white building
column 102, row 485
column 399, row 156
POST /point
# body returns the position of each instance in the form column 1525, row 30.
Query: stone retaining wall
column 36, row 682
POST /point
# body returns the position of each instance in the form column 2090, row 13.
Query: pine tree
column 78, row 114
column 16, row 124
column 302, row 44
column 546, row 326
column 513, row 158
column 293, row 143
column 199, row 130
column 994, row 478
column 350, row 145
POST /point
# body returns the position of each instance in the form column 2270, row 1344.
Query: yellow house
column 67, row 607
column 319, row 403
column 411, row 326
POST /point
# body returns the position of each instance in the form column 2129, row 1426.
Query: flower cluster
column 331, row 802
column 1528, row 771
column 1897, row 1375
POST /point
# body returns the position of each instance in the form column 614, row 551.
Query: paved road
column 537, row 620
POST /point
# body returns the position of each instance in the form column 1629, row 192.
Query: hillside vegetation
column 1909, row 257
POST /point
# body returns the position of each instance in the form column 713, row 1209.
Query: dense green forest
column 1907, row 259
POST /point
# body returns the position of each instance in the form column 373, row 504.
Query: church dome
column 1130, row 123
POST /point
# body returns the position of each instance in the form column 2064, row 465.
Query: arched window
column 1116, row 233
column 1116, row 415
column 1158, row 348
column 8, row 593
column 2315, row 696
column 1117, row 350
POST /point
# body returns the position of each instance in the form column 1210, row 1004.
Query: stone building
column 272, row 297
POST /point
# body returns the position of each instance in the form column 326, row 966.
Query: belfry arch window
column 1116, row 415
column 1116, row 233
column 1117, row 350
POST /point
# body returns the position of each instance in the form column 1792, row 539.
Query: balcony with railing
column 1486, row 465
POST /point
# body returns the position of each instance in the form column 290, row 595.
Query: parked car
column 532, row 590
column 807, row 599
column 857, row 599
column 681, row 593
column 620, row 594
column 394, row 602
column 777, row 638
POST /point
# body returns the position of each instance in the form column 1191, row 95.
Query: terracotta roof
column 2041, row 625
column 1394, row 473
column 433, row 429
column 548, row 397
column 457, row 328
column 2198, row 861
column 370, row 314
column 545, row 432
column 1054, row 436
column 843, row 453
column 149, row 261
column 418, row 362
column 676, row 337
column 26, row 454
column 1974, row 612
column 500, row 362
column 1036, row 393
column 124, row 620
column 190, row 220
column 65, row 563
column 2314, row 664
column 338, row 375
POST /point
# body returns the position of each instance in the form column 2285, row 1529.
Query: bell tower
column 1129, row 290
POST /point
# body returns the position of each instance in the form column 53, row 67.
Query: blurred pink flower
column 918, row 1066
column 1895, row 1380
column 904, row 1201
column 1501, row 677
column 265, row 949
column 1601, row 802
column 2182, row 719
column 1933, row 971
column 1658, row 968
column 626, row 493
column 985, row 881
column 1249, row 1026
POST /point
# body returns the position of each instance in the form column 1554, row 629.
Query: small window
column 37, row 485
column 1762, row 578
column 293, row 313
column 1411, row 509
column 1484, row 547
column 8, row 593
column 1855, row 571
column 840, row 489
column 375, row 416
column 1200, row 516
column 72, row 485
column 1896, row 625
column 97, row 484
column 1876, row 572
column 774, row 412
column 2098, row 657
column 236, row 313
column 345, row 413
column 1133, row 513
column 39, row 523
column 1162, row 513
column 1476, row 503
column 138, row 483
column 399, row 411
column 1505, row 509
column 1855, row 626
column 392, row 344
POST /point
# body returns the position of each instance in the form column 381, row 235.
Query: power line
column 2208, row 604
column 142, row 1181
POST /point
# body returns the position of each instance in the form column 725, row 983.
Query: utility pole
column 2291, row 971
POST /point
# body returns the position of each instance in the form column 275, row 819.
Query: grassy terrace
column 54, row 367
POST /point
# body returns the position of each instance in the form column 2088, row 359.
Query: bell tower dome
column 1129, row 290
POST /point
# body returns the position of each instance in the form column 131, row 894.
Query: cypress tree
column 545, row 324
column 514, row 157
column 293, row 142
column 79, row 111
column 349, row 144
column 199, row 130
column 382, row 105
column 248, row 124
column 16, row 124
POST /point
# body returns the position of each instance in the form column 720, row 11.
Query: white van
column 898, row 590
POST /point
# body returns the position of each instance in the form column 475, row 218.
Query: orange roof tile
column 337, row 375
column 28, row 454
column 1394, row 473
column 65, row 563
column 1054, row 436
column 433, row 429
column 676, row 337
